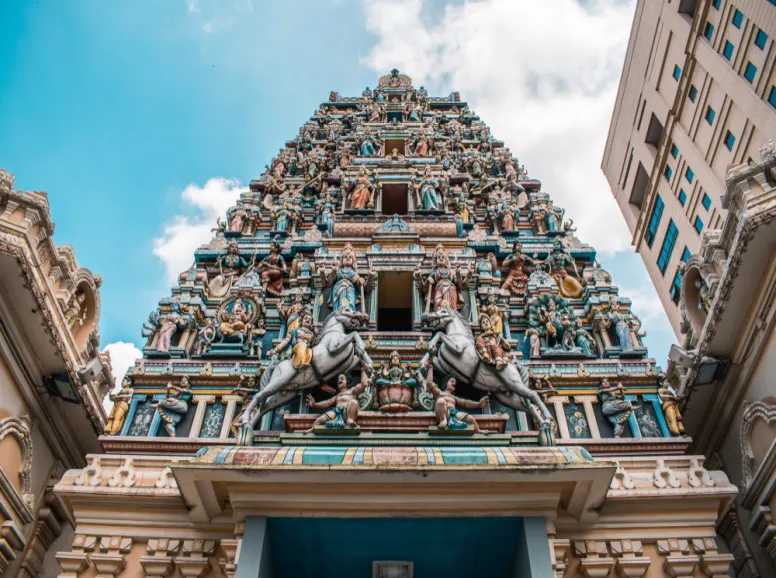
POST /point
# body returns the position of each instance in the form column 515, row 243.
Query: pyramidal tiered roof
column 391, row 219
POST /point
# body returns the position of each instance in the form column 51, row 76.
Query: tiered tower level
column 395, row 321
column 395, row 208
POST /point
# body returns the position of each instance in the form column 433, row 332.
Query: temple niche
column 396, row 292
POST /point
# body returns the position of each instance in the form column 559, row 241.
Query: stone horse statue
column 453, row 352
column 338, row 349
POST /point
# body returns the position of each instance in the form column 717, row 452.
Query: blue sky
column 115, row 108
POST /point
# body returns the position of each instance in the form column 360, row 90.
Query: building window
column 738, row 18
column 730, row 140
column 689, row 175
column 708, row 30
column 760, row 39
column 749, row 72
column 676, row 287
column 394, row 301
column 682, row 197
column 654, row 222
column 694, row 92
column 668, row 247
column 674, row 151
column 710, row 115
column 698, row 225
column 677, row 72
column 772, row 94
column 668, row 172
column 706, row 201
column 716, row 3
column 686, row 255
column 727, row 52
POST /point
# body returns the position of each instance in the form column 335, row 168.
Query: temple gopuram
column 395, row 359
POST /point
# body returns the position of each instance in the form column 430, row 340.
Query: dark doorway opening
column 395, row 200
column 394, row 301
column 394, row 143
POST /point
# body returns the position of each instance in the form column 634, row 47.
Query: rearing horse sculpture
column 453, row 352
column 338, row 349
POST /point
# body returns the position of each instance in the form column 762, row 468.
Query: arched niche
column 88, row 317
column 691, row 297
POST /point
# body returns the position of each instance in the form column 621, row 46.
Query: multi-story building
column 52, row 380
column 697, row 94
column 495, row 413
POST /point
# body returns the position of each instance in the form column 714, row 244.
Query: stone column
column 231, row 408
column 532, row 554
column 587, row 402
column 560, row 415
column 253, row 559
column 199, row 414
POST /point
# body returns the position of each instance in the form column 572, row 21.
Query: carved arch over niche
column 20, row 428
column 85, row 281
column 690, row 296
column 753, row 411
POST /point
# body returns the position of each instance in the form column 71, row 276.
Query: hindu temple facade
column 394, row 359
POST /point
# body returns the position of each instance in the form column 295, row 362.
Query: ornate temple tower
column 395, row 359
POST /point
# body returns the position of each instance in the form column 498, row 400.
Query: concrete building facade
column 697, row 95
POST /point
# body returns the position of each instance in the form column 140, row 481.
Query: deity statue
column 344, row 401
column 272, row 268
column 121, row 400
column 426, row 192
column 395, row 225
column 237, row 220
column 509, row 217
column 395, row 385
column 279, row 215
column 553, row 326
column 206, row 336
column 554, row 217
column 538, row 218
column 232, row 262
column 347, row 285
column 326, row 207
column 167, row 326
column 421, row 146
column 491, row 309
column 516, row 279
column 443, row 286
column 491, row 345
column 622, row 328
column 301, row 341
column 172, row 409
column 291, row 314
column 534, row 343
column 245, row 391
column 493, row 216
column 462, row 210
column 584, row 340
column 670, row 405
column 614, row 406
column 446, row 404
column 361, row 190
column 368, row 147
column 233, row 322
column 563, row 270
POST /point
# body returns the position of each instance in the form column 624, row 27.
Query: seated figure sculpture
column 446, row 404
column 344, row 401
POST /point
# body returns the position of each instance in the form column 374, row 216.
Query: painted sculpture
column 121, row 400
column 344, row 404
column 447, row 406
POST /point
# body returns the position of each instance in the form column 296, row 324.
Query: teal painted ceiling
column 439, row 547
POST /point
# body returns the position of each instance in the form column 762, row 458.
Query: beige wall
column 660, row 40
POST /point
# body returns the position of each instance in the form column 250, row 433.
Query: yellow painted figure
column 120, row 408
column 301, row 341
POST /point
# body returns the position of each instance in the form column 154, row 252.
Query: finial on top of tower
column 395, row 80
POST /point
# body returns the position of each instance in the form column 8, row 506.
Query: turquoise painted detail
column 462, row 456
column 661, row 419
column 632, row 421
column 323, row 456
column 129, row 418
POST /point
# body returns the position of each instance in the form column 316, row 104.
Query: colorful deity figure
column 462, row 209
column 492, row 310
column 121, row 400
column 368, row 147
column 583, row 339
column 554, row 217
column 234, row 321
column 614, row 406
column 563, row 270
column 443, row 286
column 205, row 337
column 237, row 220
column 347, row 285
column 344, row 404
column 493, row 216
column 670, row 404
column 173, row 407
column 552, row 323
column 421, row 146
column 326, row 208
column 534, row 342
column 509, row 217
column 279, row 214
column 361, row 191
column 491, row 345
column 232, row 263
column 487, row 270
column 538, row 218
column 516, row 278
column 294, row 214
column 447, row 405
column 272, row 268
column 167, row 326
column 300, row 339
column 291, row 313
column 622, row 329
column 395, row 385
column 426, row 191
column 246, row 389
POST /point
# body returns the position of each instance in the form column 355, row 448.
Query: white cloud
column 192, row 5
column 543, row 75
column 646, row 303
column 181, row 236
column 217, row 16
column 122, row 357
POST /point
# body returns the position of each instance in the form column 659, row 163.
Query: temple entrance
column 394, row 301
column 396, row 548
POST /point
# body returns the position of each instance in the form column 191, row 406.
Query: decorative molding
column 20, row 428
column 752, row 412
